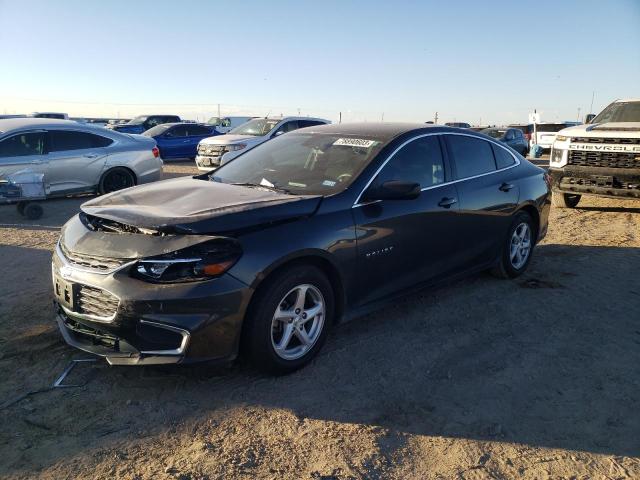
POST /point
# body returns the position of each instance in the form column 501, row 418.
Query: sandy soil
column 536, row 378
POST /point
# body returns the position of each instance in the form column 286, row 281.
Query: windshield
column 550, row 127
column 137, row 120
column 257, row 127
column 157, row 130
column 494, row 133
column 302, row 164
column 619, row 112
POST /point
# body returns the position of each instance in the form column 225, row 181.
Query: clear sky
column 468, row 60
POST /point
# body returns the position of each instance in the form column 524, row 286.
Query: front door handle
column 91, row 155
column 446, row 202
column 505, row 187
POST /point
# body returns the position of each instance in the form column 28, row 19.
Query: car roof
column 9, row 124
column 624, row 100
column 278, row 119
column 382, row 131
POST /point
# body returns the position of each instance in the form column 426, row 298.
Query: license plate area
column 602, row 180
column 65, row 292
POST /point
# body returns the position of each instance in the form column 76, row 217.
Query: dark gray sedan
column 511, row 136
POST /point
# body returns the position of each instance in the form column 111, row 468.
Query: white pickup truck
column 599, row 158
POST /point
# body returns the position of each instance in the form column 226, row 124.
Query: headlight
column 200, row 262
column 561, row 138
column 235, row 147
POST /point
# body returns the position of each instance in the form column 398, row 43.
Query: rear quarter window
column 503, row 158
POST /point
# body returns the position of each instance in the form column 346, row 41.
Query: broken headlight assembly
column 200, row 262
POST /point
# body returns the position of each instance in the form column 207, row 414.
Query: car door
column 488, row 195
column 24, row 151
column 76, row 160
column 195, row 133
column 404, row 242
column 172, row 142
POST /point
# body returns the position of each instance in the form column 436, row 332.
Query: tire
column 263, row 331
column 507, row 266
column 116, row 179
column 32, row 211
column 20, row 207
column 565, row 200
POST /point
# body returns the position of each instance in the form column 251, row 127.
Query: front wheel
column 517, row 247
column 289, row 320
column 116, row 179
column 565, row 200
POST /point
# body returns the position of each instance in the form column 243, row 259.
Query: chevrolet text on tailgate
column 600, row 158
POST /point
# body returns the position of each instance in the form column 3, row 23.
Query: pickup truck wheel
column 565, row 200
column 116, row 179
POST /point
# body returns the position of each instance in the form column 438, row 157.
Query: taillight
column 156, row 152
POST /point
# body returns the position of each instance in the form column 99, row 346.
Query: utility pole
column 593, row 94
column 218, row 110
column 436, row 119
column 340, row 121
column 382, row 117
column 298, row 112
column 578, row 117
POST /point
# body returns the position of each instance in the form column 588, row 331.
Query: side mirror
column 394, row 190
column 278, row 133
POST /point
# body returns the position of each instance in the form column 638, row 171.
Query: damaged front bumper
column 132, row 322
column 605, row 182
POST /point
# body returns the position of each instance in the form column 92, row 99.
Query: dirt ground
column 537, row 378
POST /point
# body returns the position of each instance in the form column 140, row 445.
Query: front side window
column 198, row 130
column 65, row 140
column 472, row 156
column 303, row 164
column 23, row 144
column 179, row 131
column 287, row 127
column 420, row 161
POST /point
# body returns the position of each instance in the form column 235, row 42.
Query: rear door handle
column 91, row 155
column 505, row 187
column 446, row 202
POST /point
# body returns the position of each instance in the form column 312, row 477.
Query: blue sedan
column 179, row 140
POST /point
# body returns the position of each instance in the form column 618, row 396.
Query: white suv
column 216, row 151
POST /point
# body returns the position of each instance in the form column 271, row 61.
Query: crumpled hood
column 228, row 139
column 191, row 205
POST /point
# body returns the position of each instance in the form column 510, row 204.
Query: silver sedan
column 77, row 158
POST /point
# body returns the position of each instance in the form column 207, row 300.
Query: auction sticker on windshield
column 355, row 142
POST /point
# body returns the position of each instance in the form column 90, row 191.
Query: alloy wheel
column 298, row 322
column 520, row 246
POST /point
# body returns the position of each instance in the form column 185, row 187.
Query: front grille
column 603, row 159
column 95, row 301
column 92, row 262
column 608, row 141
column 212, row 150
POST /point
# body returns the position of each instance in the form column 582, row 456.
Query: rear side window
column 471, row 156
column 64, row 140
column 308, row 123
column 503, row 158
column 420, row 161
column 198, row 130
column 23, row 144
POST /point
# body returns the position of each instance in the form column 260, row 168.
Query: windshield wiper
column 259, row 185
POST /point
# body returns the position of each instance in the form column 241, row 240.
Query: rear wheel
column 565, row 200
column 32, row 211
column 517, row 247
column 289, row 320
column 116, row 179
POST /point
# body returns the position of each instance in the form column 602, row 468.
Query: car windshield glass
column 494, row 133
column 137, row 120
column 257, row 127
column 157, row 130
column 619, row 112
column 302, row 164
column 550, row 127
